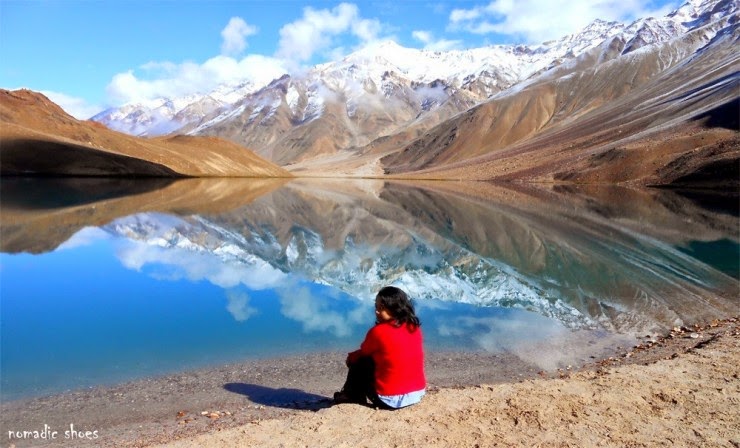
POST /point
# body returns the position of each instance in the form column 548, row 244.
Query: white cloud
column 432, row 44
column 238, row 305
column 462, row 15
column 422, row 36
column 77, row 107
column 167, row 79
column 367, row 30
column 176, row 263
column 316, row 30
column 235, row 36
column 314, row 313
column 536, row 21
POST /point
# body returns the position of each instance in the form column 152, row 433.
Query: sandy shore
column 691, row 397
column 679, row 389
column 158, row 409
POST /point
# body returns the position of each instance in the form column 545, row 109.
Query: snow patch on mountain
column 379, row 75
column 292, row 97
column 314, row 105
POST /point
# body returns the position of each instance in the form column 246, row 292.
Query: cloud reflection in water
column 316, row 313
column 168, row 253
column 176, row 263
column 534, row 339
column 238, row 305
column 297, row 302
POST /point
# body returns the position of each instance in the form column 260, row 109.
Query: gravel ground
column 208, row 401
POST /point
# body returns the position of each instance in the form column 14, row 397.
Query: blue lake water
column 104, row 288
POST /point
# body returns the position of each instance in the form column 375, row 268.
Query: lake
column 108, row 280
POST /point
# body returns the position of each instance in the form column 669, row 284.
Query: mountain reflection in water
column 610, row 257
column 522, row 269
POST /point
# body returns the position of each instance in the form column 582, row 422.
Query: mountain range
column 651, row 102
column 37, row 138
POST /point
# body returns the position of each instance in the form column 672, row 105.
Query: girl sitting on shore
column 388, row 369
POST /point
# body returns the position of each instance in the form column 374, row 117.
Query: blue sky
column 88, row 55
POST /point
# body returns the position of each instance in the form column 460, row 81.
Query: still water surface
column 103, row 281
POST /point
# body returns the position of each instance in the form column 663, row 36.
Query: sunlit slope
column 653, row 116
column 292, row 121
column 38, row 138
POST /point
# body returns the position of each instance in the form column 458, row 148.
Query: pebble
column 694, row 335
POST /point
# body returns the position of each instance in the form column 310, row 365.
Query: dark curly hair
column 399, row 306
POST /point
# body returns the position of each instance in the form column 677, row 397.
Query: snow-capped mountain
column 378, row 91
column 385, row 89
column 166, row 115
column 640, row 87
column 386, row 66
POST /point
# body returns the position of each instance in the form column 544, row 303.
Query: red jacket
column 398, row 356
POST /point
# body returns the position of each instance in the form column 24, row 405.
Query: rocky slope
column 600, row 105
column 378, row 91
column 370, row 93
column 666, row 114
column 38, row 138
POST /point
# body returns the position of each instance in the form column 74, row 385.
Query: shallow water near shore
column 139, row 280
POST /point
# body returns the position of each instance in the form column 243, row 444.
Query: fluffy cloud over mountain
column 536, row 21
column 235, row 35
column 317, row 28
column 323, row 34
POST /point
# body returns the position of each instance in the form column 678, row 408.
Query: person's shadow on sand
column 280, row 398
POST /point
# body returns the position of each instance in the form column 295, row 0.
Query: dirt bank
column 688, row 396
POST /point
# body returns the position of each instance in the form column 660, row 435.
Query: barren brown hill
column 38, row 138
column 667, row 115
